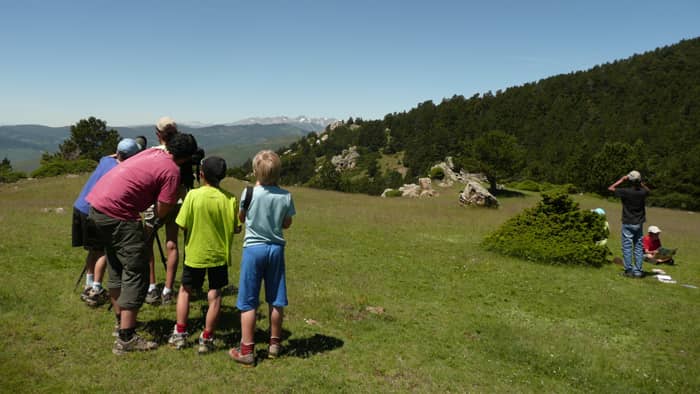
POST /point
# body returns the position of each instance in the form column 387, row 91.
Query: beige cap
column 165, row 122
column 634, row 176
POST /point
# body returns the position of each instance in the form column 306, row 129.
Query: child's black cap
column 214, row 168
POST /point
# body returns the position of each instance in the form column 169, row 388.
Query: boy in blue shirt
column 271, row 209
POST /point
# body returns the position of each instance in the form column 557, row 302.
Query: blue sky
column 130, row 62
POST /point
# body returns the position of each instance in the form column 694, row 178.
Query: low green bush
column 555, row 231
column 59, row 167
column 437, row 173
column 393, row 193
column 527, row 185
column 532, row 186
column 9, row 176
column 566, row 188
column 674, row 200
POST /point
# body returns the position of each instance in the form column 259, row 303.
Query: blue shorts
column 264, row 262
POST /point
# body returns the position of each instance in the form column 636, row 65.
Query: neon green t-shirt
column 209, row 215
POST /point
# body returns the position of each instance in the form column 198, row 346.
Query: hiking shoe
column 153, row 297
column 178, row 340
column 167, row 299
column 96, row 297
column 85, row 292
column 205, row 345
column 246, row 360
column 135, row 344
column 273, row 351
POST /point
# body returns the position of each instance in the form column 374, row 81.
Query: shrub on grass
column 555, row 231
column 566, row 188
column 532, row 186
column 8, row 174
column 393, row 193
column 675, row 200
column 11, row 176
column 527, row 185
column 437, row 173
column 59, row 167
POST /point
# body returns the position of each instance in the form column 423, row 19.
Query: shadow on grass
column 229, row 320
column 307, row 347
column 506, row 193
column 229, row 332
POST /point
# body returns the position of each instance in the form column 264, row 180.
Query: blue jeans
column 632, row 241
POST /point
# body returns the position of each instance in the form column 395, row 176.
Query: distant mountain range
column 23, row 145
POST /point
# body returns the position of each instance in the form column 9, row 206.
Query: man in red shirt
column 116, row 201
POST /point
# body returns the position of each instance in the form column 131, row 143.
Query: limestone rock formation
column 476, row 195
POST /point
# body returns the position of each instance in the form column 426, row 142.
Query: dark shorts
column 194, row 277
column 85, row 232
column 127, row 257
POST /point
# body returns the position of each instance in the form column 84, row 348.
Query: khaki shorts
column 127, row 257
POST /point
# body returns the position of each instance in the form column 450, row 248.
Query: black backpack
column 248, row 197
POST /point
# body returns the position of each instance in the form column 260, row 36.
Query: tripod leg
column 160, row 249
column 80, row 278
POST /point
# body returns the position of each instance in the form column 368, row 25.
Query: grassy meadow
column 386, row 295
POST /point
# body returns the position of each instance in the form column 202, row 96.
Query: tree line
column 584, row 128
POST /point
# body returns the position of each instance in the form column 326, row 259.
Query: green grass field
column 386, row 295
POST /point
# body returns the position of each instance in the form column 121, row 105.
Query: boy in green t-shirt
column 209, row 215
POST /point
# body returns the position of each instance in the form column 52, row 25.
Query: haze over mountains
column 23, row 145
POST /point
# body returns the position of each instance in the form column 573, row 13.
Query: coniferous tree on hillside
column 642, row 112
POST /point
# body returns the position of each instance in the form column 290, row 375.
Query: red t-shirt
column 651, row 244
column 135, row 184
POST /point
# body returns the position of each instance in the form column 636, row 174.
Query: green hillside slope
column 385, row 295
column 586, row 128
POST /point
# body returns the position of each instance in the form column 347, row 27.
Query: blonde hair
column 266, row 167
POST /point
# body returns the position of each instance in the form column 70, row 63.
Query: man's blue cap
column 128, row 147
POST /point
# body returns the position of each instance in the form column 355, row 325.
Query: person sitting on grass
column 209, row 216
column 84, row 232
column 653, row 252
column 269, row 211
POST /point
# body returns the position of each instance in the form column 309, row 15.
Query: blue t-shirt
column 106, row 164
column 263, row 219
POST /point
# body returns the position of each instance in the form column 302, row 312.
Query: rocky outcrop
column 335, row 125
column 424, row 188
column 346, row 160
column 451, row 176
column 476, row 195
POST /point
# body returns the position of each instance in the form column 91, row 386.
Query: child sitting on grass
column 653, row 252
column 270, row 210
column 209, row 214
